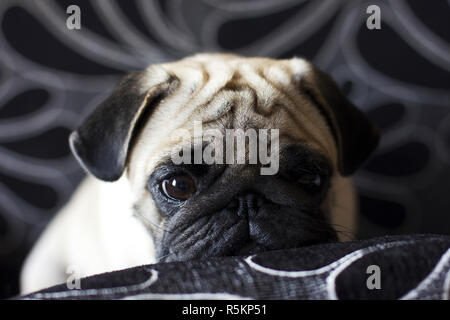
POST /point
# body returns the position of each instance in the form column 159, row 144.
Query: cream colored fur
column 97, row 232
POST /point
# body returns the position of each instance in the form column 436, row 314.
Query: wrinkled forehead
column 229, row 92
column 211, row 72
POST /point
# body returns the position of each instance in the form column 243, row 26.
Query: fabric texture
column 410, row 267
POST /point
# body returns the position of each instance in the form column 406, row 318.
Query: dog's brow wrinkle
column 205, row 79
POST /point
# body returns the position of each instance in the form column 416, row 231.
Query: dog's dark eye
column 178, row 187
column 311, row 180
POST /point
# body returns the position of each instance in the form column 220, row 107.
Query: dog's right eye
column 178, row 187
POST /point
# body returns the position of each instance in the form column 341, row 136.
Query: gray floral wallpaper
column 51, row 77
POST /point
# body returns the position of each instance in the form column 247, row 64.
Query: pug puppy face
column 203, row 209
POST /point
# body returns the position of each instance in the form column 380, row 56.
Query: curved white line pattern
column 187, row 296
column 438, row 278
column 98, row 292
column 446, row 287
column 324, row 277
column 318, row 283
column 417, row 35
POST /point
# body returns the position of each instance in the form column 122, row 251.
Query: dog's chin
column 228, row 233
column 250, row 248
column 241, row 244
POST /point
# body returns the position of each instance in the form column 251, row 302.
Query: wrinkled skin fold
column 237, row 211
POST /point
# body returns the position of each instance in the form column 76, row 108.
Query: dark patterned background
column 50, row 77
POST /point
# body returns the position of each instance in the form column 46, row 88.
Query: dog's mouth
column 227, row 234
column 249, row 248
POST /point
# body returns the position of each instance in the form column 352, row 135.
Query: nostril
column 246, row 204
column 253, row 200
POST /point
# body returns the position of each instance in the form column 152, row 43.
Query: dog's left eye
column 178, row 187
column 311, row 180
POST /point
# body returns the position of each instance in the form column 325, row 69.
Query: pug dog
column 136, row 206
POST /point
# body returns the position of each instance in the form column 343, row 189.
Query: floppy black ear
column 356, row 137
column 101, row 144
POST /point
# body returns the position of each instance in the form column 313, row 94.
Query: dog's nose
column 248, row 204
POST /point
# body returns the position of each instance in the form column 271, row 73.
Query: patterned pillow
column 396, row 267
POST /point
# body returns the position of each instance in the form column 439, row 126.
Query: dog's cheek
column 217, row 234
column 146, row 211
column 277, row 227
column 286, row 227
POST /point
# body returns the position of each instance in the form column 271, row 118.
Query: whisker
column 147, row 221
column 165, row 256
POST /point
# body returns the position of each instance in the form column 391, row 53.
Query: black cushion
column 411, row 267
